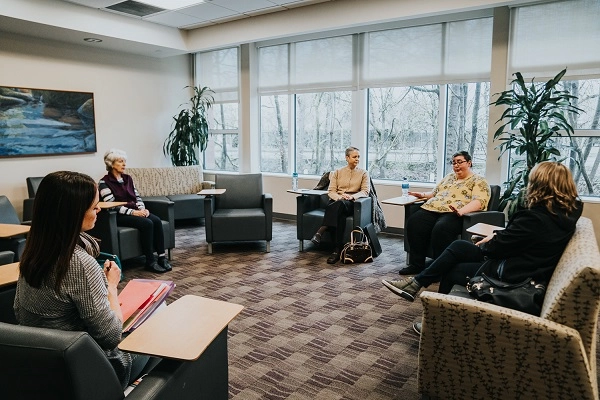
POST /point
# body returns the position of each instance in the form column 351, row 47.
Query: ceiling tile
column 207, row 11
column 173, row 18
column 244, row 6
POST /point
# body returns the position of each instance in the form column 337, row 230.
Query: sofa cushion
column 187, row 205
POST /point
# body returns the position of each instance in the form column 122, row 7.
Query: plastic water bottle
column 295, row 181
column 405, row 187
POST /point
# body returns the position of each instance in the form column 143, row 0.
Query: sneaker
column 163, row 262
column 406, row 288
column 417, row 327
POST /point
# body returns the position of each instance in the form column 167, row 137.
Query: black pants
column 424, row 227
column 455, row 266
column 151, row 233
column 335, row 219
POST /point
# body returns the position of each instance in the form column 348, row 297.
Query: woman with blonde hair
column 530, row 246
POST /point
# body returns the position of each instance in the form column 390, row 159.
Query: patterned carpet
column 309, row 330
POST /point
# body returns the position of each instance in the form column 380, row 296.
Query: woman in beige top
column 439, row 220
column 345, row 185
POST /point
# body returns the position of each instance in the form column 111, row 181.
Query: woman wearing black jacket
column 530, row 246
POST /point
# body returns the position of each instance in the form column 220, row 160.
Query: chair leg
column 169, row 254
column 301, row 245
column 210, row 248
column 268, row 246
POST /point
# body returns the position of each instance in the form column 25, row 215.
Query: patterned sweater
column 450, row 190
column 81, row 305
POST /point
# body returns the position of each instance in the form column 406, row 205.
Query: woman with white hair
column 118, row 186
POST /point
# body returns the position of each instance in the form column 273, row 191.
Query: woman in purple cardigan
column 118, row 186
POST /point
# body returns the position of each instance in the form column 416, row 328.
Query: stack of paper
column 140, row 298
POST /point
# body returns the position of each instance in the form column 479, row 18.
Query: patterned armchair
column 474, row 350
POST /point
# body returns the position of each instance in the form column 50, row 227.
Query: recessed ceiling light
column 171, row 4
column 92, row 40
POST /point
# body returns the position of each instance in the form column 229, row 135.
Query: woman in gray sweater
column 61, row 286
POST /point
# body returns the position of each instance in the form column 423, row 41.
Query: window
column 275, row 133
column 219, row 70
column 403, row 126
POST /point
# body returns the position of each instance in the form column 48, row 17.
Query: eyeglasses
column 458, row 162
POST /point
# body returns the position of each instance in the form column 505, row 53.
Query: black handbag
column 358, row 249
column 526, row 296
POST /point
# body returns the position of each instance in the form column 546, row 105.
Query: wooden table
column 211, row 192
column 10, row 230
column 307, row 192
column 9, row 273
column 111, row 204
column 183, row 330
column 402, row 200
column 483, row 229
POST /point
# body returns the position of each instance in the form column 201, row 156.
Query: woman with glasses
column 439, row 220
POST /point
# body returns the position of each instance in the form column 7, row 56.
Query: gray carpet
column 309, row 330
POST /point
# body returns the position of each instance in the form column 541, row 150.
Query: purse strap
column 505, row 285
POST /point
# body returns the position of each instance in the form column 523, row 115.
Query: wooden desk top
column 111, row 204
column 402, row 201
column 10, row 230
column 9, row 273
column 183, row 330
column 482, row 229
column 308, row 192
column 211, row 192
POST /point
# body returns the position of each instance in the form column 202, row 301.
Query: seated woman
column 345, row 185
column 439, row 220
column 61, row 286
column 118, row 186
column 530, row 246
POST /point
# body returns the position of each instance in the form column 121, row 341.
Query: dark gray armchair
column 242, row 213
column 492, row 217
column 124, row 241
column 311, row 209
column 8, row 215
column 32, row 186
column 39, row 363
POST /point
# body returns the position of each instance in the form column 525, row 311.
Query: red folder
column 140, row 298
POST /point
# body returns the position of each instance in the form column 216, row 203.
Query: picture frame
column 44, row 122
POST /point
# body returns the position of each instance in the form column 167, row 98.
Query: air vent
column 135, row 8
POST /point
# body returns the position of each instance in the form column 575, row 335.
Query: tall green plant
column 190, row 129
column 533, row 118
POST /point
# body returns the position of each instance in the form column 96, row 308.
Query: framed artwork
column 39, row 122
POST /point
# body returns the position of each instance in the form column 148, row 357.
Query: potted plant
column 534, row 117
column 190, row 129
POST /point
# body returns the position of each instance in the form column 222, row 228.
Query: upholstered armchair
column 310, row 210
column 125, row 241
column 242, row 213
column 8, row 215
column 492, row 216
column 39, row 363
column 475, row 350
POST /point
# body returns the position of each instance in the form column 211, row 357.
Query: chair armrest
column 489, row 217
column 498, row 350
column 6, row 257
column 209, row 209
column 27, row 209
column 304, row 204
column 164, row 209
column 105, row 229
column 268, row 207
column 363, row 211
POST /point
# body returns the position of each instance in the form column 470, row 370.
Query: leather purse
column 526, row 296
column 358, row 249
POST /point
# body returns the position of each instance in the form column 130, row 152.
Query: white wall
column 135, row 98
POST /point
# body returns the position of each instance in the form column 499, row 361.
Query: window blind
column 546, row 38
column 219, row 71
